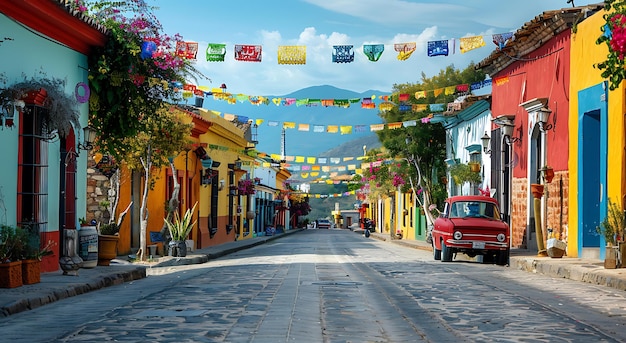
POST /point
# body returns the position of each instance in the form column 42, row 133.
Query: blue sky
column 320, row 24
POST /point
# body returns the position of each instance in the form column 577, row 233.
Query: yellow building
column 208, row 173
column 596, row 150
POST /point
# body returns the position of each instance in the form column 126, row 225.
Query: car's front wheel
column 446, row 253
column 502, row 258
column 436, row 253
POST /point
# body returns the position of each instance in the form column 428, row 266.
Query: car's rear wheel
column 446, row 253
column 436, row 253
column 502, row 258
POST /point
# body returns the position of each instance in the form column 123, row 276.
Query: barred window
column 32, row 192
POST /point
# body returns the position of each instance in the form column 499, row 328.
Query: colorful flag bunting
column 404, row 50
column 438, row 48
column 215, row 52
column 343, row 53
column 470, row 43
column 501, row 39
column 292, row 54
column 248, row 53
column 373, row 51
column 188, row 50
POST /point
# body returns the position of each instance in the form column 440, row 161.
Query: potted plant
column 31, row 265
column 613, row 228
column 12, row 241
column 108, row 236
column 179, row 229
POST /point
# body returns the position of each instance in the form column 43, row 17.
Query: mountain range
column 305, row 143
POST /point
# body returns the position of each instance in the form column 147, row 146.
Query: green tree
column 423, row 147
column 135, row 73
column 164, row 136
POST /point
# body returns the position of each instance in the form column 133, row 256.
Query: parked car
column 471, row 225
column 324, row 224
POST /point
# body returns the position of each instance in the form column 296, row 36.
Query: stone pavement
column 577, row 269
column 55, row 286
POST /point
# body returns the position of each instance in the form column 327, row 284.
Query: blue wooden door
column 592, row 164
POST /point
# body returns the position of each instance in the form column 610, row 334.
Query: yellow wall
column 584, row 54
column 226, row 144
column 407, row 219
column 386, row 215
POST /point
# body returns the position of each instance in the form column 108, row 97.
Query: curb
column 72, row 290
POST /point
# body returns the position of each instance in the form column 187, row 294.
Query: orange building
column 207, row 173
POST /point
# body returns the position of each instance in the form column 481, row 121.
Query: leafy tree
column 164, row 137
column 132, row 78
column 422, row 148
column 134, row 73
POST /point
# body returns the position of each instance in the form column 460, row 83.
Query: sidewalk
column 55, row 286
column 577, row 269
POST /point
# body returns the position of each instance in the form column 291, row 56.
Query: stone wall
column 557, row 208
column 557, row 218
column 99, row 192
column 519, row 207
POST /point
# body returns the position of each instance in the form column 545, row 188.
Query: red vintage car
column 471, row 225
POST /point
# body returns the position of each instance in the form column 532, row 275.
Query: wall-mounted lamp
column 542, row 119
column 506, row 123
column 89, row 135
column 8, row 111
column 485, row 141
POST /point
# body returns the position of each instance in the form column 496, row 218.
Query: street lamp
column 485, row 141
column 89, row 135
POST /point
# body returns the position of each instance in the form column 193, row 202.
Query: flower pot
column 610, row 260
column 107, row 249
column 37, row 97
column 548, row 174
column 475, row 167
column 537, row 190
column 178, row 249
column 555, row 248
column 11, row 274
column 31, row 271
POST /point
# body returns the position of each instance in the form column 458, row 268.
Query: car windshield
column 474, row 209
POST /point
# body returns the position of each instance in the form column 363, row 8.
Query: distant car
column 324, row 224
column 471, row 225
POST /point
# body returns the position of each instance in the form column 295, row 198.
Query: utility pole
column 282, row 145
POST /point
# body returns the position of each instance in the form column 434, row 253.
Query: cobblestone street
column 331, row 286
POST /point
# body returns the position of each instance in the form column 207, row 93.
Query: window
column 475, row 209
column 32, row 192
column 212, row 222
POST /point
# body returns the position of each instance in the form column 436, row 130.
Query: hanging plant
column 246, row 187
column 63, row 114
column 135, row 74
